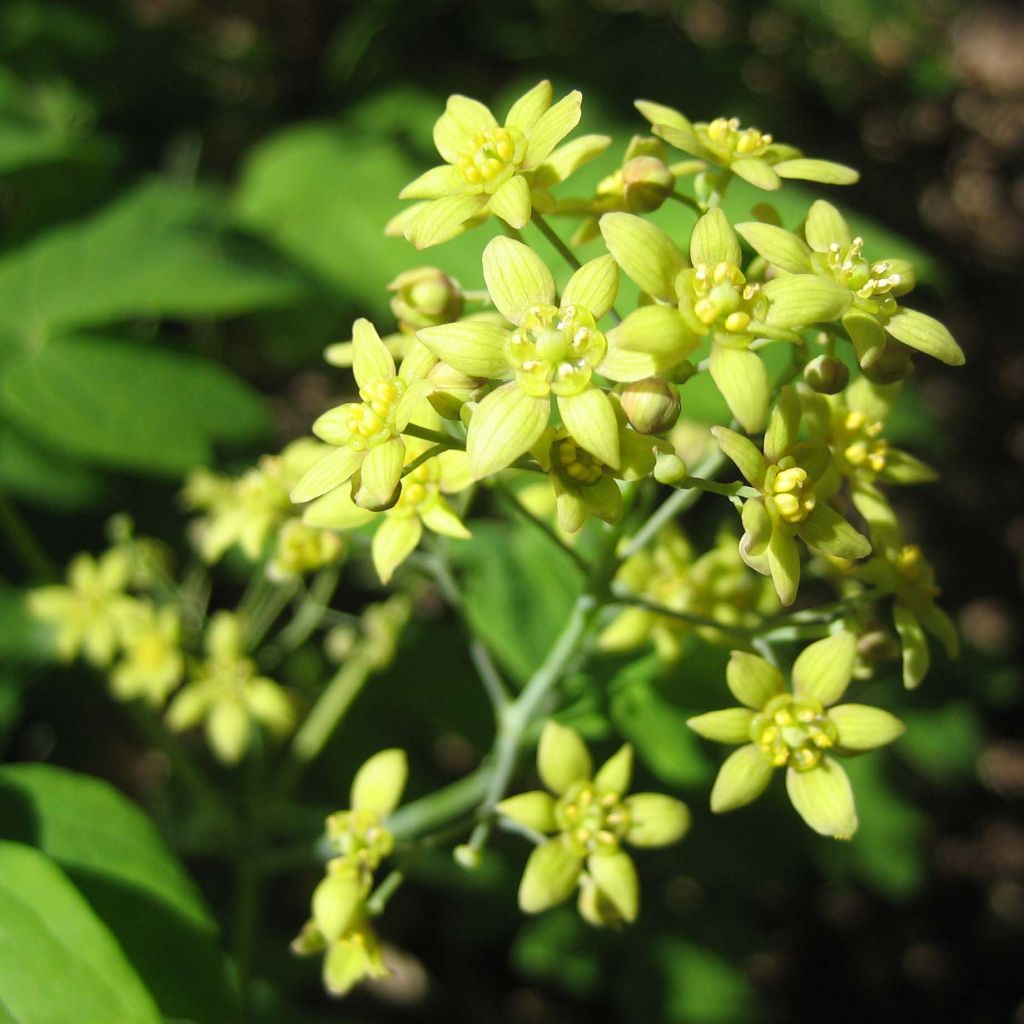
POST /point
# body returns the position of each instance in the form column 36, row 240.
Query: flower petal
column 730, row 725
column 594, row 286
column 825, row 530
column 916, row 657
column 713, row 240
column 864, row 728
column 473, row 347
column 516, row 277
column 550, row 877
column 590, row 419
column 379, row 783
column 380, row 473
column 507, row 423
column 567, row 159
column 824, row 171
column 371, row 361
column 441, row 518
column 336, row 510
column 656, row 819
column 526, row 111
column 394, row 541
column 926, row 334
column 443, row 180
column 333, row 469
column 656, row 330
column 743, row 777
column 512, row 202
column 442, row 219
column 615, row 774
column 742, row 379
column 647, row 255
column 615, row 875
column 799, row 300
column 825, row 225
column 534, row 810
column 752, row 680
column 783, row 425
column 824, row 669
column 743, row 452
column 757, row 172
column 779, row 247
column 551, row 127
column 824, row 799
column 784, row 565
column 562, row 757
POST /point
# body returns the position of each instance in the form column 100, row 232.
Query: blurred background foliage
column 192, row 197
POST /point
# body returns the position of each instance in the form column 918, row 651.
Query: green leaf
column 943, row 743
column 519, row 587
column 58, row 962
column 40, row 475
column 701, row 987
column 157, row 251
column 134, row 884
column 132, row 406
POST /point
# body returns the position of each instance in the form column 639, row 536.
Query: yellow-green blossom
column 874, row 320
column 589, row 818
column 360, row 840
column 553, row 352
column 798, row 731
column 717, row 585
column 367, row 434
column 153, row 662
column 249, row 510
column 714, row 297
column 793, row 501
column 92, row 612
column 748, row 153
column 489, row 168
column 302, row 549
column 228, row 696
column 421, row 503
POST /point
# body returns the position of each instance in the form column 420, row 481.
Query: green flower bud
column 467, row 856
column 452, row 390
column 827, row 375
column 337, row 900
column 669, row 468
column 378, row 784
column 424, row 297
column 362, row 497
column 651, row 405
column 646, row 183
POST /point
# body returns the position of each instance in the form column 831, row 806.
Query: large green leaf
column 701, row 987
column 115, row 856
column 58, row 962
column 123, row 404
column 160, row 250
column 38, row 474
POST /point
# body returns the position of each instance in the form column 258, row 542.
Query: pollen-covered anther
column 793, row 731
column 792, row 491
column 373, row 421
column 555, row 350
column 590, row 821
column 491, row 157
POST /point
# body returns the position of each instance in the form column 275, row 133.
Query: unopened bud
column 827, row 375
column 651, row 405
column 467, row 856
column 424, row 297
column 362, row 497
column 452, row 390
column 646, row 183
column 669, row 468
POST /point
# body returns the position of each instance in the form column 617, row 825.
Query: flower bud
column 337, row 901
column 651, row 405
column 425, row 297
column 646, row 183
column 364, row 499
column 467, row 856
column 452, row 390
column 827, row 375
column 888, row 364
column 669, row 468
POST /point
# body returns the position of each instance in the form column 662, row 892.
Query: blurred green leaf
column 160, row 250
column 553, row 948
column 700, row 986
column 123, row 404
column 39, row 474
column 115, row 856
column 519, row 587
column 22, row 638
column 943, row 743
column 58, row 962
column 656, row 727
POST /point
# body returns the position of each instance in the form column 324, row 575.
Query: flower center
column 150, row 652
column 872, row 283
column 791, row 490
column 793, row 731
column 576, row 464
column 858, row 444
column 373, row 422
column 726, row 137
column 359, row 836
column 592, row 821
column 723, row 299
column 490, row 158
column 555, row 350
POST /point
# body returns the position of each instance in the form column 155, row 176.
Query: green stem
column 552, row 236
column 379, row 898
column 672, row 506
column 718, row 192
column 689, row 203
column 703, row 621
column 309, row 614
column 733, row 490
column 32, row 554
column 519, row 509
column 438, row 437
column 265, row 609
column 425, row 457
column 426, row 815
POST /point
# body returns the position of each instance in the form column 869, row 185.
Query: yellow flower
column 92, row 612
column 153, row 661
column 487, row 166
column 367, row 434
column 228, row 696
